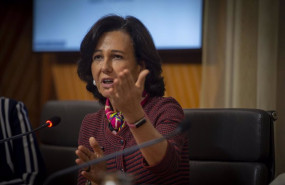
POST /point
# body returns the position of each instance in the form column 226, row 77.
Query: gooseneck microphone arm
column 23, row 134
column 54, row 121
column 181, row 128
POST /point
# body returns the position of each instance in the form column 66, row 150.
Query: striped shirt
column 165, row 114
column 20, row 160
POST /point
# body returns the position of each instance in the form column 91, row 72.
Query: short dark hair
column 144, row 51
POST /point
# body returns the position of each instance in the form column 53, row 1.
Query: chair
column 58, row 144
column 226, row 146
column 231, row 146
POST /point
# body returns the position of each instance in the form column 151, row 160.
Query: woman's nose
column 107, row 66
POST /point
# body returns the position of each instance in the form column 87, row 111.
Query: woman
column 122, row 69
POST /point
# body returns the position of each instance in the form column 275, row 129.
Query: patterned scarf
column 116, row 119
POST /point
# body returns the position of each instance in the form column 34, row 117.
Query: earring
column 94, row 83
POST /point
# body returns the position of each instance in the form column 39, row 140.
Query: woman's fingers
column 128, row 79
column 95, row 170
column 126, row 90
column 122, row 83
column 96, row 147
column 83, row 153
column 125, row 82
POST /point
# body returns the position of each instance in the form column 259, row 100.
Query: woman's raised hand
column 126, row 92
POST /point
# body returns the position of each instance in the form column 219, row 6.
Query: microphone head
column 54, row 121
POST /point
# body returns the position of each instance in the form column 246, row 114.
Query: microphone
column 182, row 127
column 52, row 122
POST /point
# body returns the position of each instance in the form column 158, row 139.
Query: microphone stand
column 112, row 155
column 21, row 135
column 52, row 122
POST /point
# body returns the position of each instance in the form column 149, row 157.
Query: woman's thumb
column 141, row 78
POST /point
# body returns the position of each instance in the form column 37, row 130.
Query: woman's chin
column 105, row 93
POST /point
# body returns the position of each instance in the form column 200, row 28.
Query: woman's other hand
column 94, row 173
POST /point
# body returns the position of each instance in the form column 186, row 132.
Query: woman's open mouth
column 107, row 82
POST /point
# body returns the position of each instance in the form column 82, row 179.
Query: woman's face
column 113, row 53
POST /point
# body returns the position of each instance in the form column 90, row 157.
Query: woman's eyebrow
column 97, row 50
column 113, row 51
column 117, row 51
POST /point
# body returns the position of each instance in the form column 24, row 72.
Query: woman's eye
column 118, row 56
column 97, row 57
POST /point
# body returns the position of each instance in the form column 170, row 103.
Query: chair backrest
column 230, row 146
column 58, row 144
column 226, row 146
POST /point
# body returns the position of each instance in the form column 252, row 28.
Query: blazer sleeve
column 166, row 118
column 23, row 160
